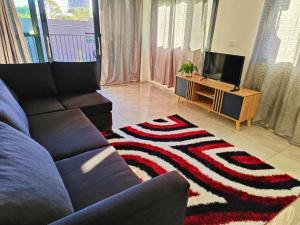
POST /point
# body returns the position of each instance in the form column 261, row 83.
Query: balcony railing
column 32, row 47
column 73, row 48
column 66, row 47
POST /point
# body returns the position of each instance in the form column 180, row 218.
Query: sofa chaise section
column 159, row 201
column 95, row 106
column 78, row 91
column 95, row 175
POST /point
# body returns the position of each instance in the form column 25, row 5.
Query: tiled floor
column 140, row 102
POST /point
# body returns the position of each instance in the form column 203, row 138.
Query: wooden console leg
column 249, row 123
column 237, row 125
column 178, row 99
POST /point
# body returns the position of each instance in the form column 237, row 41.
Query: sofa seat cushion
column 41, row 105
column 10, row 110
column 31, row 190
column 95, row 175
column 65, row 133
column 91, row 104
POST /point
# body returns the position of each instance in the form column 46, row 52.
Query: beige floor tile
column 250, row 145
column 294, row 152
column 119, row 121
column 266, row 138
column 220, row 130
column 258, row 141
column 287, row 161
column 135, row 118
column 289, row 216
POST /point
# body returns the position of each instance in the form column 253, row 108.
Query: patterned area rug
column 228, row 185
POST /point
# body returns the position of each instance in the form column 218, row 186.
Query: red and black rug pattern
column 228, row 185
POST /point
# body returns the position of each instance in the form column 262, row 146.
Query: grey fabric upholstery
column 13, row 93
column 95, row 106
column 159, row 201
column 102, row 121
column 95, row 175
column 10, row 110
column 90, row 103
column 31, row 189
column 74, row 77
column 66, row 133
column 41, row 105
column 76, row 83
column 32, row 80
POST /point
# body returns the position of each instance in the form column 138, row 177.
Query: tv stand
column 238, row 104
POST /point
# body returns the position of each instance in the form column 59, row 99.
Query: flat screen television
column 224, row 67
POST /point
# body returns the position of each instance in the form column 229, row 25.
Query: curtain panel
column 275, row 68
column 12, row 41
column 121, row 23
column 178, row 34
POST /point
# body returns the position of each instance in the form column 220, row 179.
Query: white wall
column 237, row 21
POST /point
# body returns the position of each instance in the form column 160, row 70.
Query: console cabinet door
column 181, row 87
column 232, row 105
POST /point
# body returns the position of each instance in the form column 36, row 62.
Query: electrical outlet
column 232, row 43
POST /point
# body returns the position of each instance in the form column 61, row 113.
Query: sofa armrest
column 160, row 201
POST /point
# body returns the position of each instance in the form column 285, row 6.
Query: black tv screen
column 224, row 67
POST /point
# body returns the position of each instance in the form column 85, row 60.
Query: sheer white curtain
column 13, row 47
column 178, row 34
column 275, row 68
column 121, row 22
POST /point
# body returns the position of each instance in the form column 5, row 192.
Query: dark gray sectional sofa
column 59, row 86
column 55, row 165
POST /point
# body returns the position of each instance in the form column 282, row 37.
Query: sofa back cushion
column 33, row 80
column 31, row 190
column 76, row 77
column 10, row 110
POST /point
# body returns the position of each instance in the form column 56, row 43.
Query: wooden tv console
column 215, row 96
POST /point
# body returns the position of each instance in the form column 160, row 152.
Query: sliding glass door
column 61, row 30
column 30, row 22
column 71, row 30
